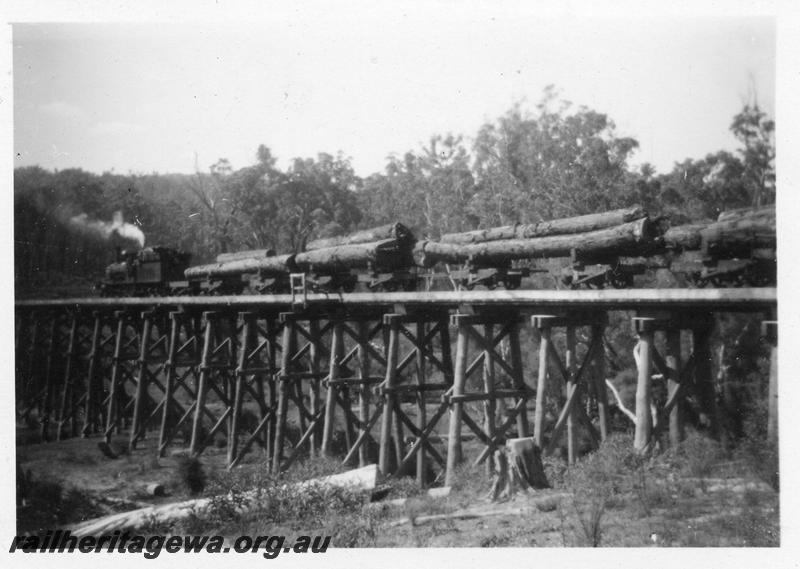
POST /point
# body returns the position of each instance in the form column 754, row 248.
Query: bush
column 699, row 454
column 191, row 474
column 276, row 500
column 356, row 530
column 312, row 503
column 597, row 482
column 757, row 450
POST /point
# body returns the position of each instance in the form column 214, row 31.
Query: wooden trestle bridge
column 364, row 376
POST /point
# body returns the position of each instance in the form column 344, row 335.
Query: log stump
column 518, row 466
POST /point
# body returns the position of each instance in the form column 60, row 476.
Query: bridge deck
column 732, row 298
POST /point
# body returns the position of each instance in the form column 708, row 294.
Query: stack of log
column 600, row 238
column 396, row 231
column 741, row 231
column 239, row 263
column 735, row 232
column 249, row 254
column 627, row 231
column 384, row 254
column 384, row 248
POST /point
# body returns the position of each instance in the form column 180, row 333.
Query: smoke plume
column 105, row 230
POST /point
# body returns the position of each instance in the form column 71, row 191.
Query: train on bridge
column 595, row 251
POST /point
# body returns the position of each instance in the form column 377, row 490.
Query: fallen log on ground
column 435, row 493
column 632, row 238
column 567, row 225
column 729, row 484
column 391, row 231
column 154, row 489
column 360, row 479
column 268, row 266
column 479, row 513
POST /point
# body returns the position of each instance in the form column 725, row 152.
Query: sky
column 163, row 97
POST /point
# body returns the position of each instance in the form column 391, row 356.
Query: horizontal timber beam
column 736, row 299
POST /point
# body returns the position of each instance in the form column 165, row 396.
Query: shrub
column 311, row 503
column 191, row 474
column 360, row 529
column 699, row 454
column 597, row 481
column 757, row 450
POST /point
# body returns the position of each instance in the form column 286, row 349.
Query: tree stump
column 518, row 466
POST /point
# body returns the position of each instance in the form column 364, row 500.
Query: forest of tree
column 526, row 166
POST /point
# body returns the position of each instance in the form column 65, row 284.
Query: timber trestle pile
column 399, row 379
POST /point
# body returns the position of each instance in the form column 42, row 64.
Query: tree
column 175, row 210
column 316, row 198
column 644, row 188
column 701, row 189
column 554, row 163
column 756, row 131
column 430, row 190
column 214, row 215
column 233, row 204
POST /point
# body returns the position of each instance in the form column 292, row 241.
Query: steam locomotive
column 149, row 272
column 594, row 251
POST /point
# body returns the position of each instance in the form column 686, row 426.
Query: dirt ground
column 671, row 507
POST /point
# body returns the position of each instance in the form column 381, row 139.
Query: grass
column 278, row 507
column 614, row 498
column 668, row 493
column 44, row 504
column 597, row 482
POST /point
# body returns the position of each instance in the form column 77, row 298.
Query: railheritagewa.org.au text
column 269, row 546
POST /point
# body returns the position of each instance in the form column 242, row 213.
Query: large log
column 738, row 236
column 579, row 224
column 267, row 266
column 249, row 254
column 532, row 505
column 385, row 254
column 482, row 235
column 360, row 479
column 391, row 231
column 633, row 238
column 732, row 214
column 684, row 237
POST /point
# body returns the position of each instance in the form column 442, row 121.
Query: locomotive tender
column 605, row 249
